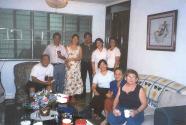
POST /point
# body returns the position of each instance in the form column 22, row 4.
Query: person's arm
column 63, row 53
column 78, row 58
column 93, row 64
column 93, row 68
column 34, row 79
column 117, row 58
column 143, row 100
column 116, row 100
column 117, row 61
column 46, row 51
column 116, row 111
column 94, row 86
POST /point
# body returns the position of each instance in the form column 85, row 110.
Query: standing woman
column 98, row 54
column 129, row 97
column 73, row 81
column 113, row 55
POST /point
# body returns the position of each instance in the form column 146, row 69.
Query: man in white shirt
column 58, row 55
column 41, row 75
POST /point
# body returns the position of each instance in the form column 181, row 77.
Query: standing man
column 87, row 49
column 58, row 54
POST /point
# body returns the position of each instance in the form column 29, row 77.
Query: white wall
column 97, row 11
column 171, row 65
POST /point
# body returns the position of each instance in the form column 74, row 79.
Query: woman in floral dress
column 73, row 81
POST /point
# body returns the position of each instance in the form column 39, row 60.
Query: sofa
column 22, row 74
column 162, row 94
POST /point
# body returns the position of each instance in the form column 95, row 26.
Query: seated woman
column 100, row 87
column 114, row 85
column 129, row 97
column 41, row 76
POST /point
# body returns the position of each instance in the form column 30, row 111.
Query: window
column 25, row 34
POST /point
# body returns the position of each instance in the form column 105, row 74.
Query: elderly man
column 41, row 76
column 58, row 55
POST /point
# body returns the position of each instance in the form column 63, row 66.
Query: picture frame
column 161, row 31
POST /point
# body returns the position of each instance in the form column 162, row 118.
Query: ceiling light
column 57, row 3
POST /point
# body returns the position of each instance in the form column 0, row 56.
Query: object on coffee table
column 66, row 121
column 80, row 122
column 45, row 111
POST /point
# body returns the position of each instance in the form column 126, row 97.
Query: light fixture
column 57, row 3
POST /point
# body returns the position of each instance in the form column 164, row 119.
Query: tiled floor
column 11, row 113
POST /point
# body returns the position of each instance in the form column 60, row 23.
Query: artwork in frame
column 161, row 31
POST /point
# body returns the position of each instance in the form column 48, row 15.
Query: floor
column 12, row 113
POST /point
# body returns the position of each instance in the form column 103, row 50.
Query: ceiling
column 98, row 1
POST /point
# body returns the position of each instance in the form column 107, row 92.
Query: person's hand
column 49, row 83
column 116, row 112
column 109, row 94
column 96, row 93
column 133, row 113
column 61, row 56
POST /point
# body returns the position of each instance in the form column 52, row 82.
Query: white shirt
column 111, row 57
column 52, row 49
column 97, row 55
column 103, row 81
column 39, row 71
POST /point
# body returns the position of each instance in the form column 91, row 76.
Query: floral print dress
column 73, row 80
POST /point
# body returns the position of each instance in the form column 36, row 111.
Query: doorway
column 117, row 25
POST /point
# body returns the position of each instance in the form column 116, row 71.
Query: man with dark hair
column 87, row 49
column 41, row 75
column 58, row 55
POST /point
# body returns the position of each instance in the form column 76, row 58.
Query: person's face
column 112, row 43
column 131, row 78
column 75, row 40
column 57, row 39
column 99, row 44
column 45, row 61
column 118, row 75
column 103, row 67
column 88, row 39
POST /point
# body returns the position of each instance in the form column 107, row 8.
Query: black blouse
column 130, row 100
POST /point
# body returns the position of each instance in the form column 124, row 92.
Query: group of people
column 64, row 69
column 71, row 63
column 115, row 92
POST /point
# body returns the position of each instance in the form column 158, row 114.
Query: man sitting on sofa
column 41, row 76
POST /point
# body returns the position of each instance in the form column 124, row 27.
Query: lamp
column 57, row 3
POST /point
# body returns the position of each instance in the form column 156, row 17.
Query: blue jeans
column 59, row 76
column 119, row 120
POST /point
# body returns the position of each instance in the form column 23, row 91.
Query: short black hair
column 102, row 61
column 113, row 38
column 87, row 34
column 44, row 55
column 99, row 39
column 118, row 68
column 56, row 34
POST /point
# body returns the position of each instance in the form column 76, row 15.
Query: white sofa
column 161, row 92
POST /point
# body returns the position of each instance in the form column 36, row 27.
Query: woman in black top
column 130, row 97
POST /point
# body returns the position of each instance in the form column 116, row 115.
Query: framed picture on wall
column 161, row 31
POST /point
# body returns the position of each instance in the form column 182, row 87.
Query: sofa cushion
column 149, row 111
column 149, row 120
column 169, row 98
